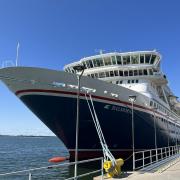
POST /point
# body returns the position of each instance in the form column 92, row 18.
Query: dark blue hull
column 59, row 115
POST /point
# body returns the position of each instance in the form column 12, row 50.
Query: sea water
column 22, row 152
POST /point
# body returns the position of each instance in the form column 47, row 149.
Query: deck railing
column 29, row 172
column 148, row 157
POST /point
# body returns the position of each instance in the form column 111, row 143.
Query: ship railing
column 29, row 172
column 145, row 158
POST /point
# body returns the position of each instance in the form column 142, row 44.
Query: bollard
column 113, row 171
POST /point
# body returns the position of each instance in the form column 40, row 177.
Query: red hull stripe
column 83, row 95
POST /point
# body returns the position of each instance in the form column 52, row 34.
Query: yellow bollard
column 113, row 171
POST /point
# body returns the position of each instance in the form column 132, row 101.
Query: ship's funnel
column 173, row 99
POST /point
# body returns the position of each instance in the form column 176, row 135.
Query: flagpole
column 17, row 54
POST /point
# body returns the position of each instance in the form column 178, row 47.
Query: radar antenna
column 100, row 51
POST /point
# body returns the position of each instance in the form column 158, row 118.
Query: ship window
column 134, row 59
column 117, row 82
column 118, row 59
column 87, row 64
column 96, row 75
column 101, row 62
column 130, row 73
column 145, row 71
column 111, row 73
column 69, row 69
column 121, row 82
column 107, row 61
column 101, row 75
column 147, row 58
column 137, row 80
column 90, row 64
column 153, row 59
column 128, row 81
column 84, row 64
column 132, row 81
column 92, row 75
column 151, row 103
column 142, row 58
column 88, row 75
column 121, row 73
column 140, row 72
column 150, row 72
column 113, row 59
column 135, row 73
column 96, row 63
column 116, row 73
column 107, row 73
column 126, row 60
column 125, row 73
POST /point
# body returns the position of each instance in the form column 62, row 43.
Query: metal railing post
column 172, row 151
column 102, row 171
column 161, row 154
column 150, row 156
column 169, row 150
column 156, row 155
column 30, row 175
column 143, row 159
column 134, row 161
column 77, row 118
column 165, row 152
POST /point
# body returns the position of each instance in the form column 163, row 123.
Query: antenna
column 99, row 50
column 17, row 54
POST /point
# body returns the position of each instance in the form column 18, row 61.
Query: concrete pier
column 168, row 169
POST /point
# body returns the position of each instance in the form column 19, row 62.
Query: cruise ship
column 111, row 79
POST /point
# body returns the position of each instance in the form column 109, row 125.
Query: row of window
column 121, row 60
column 128, row 81
column 118, row 60
column 158, row 106
column 161, row 108
column 140, row 72
column 169, row 124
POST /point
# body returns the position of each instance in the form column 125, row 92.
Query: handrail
column 151, row 156
column 29, row 171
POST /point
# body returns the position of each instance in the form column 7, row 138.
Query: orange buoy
column 58, row 159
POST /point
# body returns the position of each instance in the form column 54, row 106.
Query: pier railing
column 148, row 157
column 29, row 172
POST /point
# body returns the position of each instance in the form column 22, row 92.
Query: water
column 20, row 153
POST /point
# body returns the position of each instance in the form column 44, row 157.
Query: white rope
column 106, row 152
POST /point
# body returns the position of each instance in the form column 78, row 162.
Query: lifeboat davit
column 58, row 159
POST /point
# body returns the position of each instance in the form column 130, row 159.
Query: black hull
column 59, row 114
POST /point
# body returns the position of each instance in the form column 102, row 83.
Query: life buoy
column 58, row 159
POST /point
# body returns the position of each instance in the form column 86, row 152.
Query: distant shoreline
column 24, row 136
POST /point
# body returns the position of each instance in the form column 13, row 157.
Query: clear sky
column 53, row 33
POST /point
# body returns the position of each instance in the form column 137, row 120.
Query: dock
column 168, row 169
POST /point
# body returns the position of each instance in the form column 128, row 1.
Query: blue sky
column 53, row 33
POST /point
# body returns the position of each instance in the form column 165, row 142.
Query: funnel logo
column 107, row 106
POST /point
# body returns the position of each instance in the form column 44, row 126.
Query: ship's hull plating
column 59, row 114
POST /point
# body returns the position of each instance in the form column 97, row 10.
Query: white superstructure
column 139, row 71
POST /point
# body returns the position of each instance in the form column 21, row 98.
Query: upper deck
column 114, row 67
column 120, row 60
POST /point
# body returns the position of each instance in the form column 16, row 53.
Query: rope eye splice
column 111, row 165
